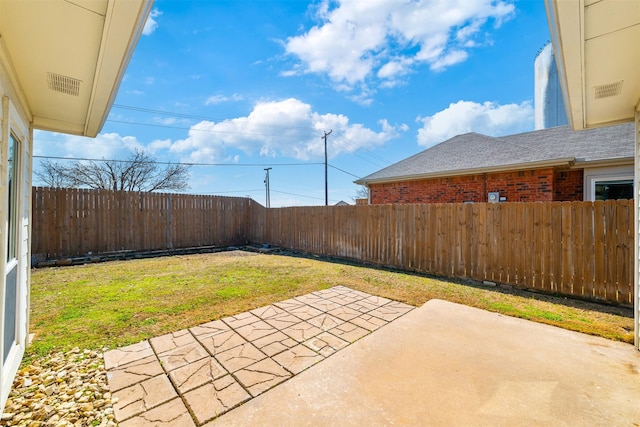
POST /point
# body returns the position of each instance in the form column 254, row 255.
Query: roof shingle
column 472, row 151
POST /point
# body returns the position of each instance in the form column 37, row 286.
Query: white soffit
column 70, row 56
column 597, row 44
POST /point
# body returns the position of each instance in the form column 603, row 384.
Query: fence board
column 468, row 242
column 599, row 251
column 566, row 266
column 589, row 230
column 622, row 252
column 611, row 250
column 481, row 225
column 578, row 248
column 76, row 222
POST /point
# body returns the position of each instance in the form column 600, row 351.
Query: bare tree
column 140, row 172
column 362, row 193
column 53, row 174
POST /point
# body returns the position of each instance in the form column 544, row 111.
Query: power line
column 344, row 171
column 260, row 189
column 346, row 142
column 120, row 144
column 191, row 128
column 182, row 163
column 299, row 195
column 193, row 116
column 233, row 191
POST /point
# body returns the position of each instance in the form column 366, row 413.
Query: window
column 11, row 275
column 607, row 183
column 13, row 197
column 607, row 190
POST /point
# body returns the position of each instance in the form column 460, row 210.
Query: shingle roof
column 471, row 151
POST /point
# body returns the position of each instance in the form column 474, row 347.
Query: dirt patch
column 234, row 253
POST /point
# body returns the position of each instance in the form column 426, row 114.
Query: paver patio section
column 192, row 376
column 445, row 364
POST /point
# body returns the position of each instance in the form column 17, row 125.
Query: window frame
column 603, row 174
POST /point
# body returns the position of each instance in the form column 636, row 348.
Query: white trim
column 13, row 123
column 566, row 162
column 116, row 50
column 636, row 251
column 593, row 175
column 566, row 25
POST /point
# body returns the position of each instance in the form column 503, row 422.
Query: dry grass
column 119, row 303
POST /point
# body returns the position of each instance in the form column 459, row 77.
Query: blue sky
column 239, row 86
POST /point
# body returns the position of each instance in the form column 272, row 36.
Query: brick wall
column 538, row 185
column 569, row 186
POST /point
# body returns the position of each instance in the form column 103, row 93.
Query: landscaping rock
column 51, row 263
column 61, row 389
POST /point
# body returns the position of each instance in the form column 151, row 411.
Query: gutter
column 621, row 161
column 567, row 162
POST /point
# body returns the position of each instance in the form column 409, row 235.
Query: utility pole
column 326, row 173
column 266, row 182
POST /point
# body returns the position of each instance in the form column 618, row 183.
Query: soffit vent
column 63, row 84
column 610, row 89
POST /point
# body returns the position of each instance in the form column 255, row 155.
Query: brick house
column 553, row 164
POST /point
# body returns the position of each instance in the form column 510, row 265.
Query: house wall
column 14, row 120
column 537, row 185
column 568, row 186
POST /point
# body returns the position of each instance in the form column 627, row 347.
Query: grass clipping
column 119, row 303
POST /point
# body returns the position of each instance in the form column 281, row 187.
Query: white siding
column 13, row 120
column 636, row 261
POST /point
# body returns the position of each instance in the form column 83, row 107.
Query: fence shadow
column 603, row 306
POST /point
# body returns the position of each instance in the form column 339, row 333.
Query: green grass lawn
column 118, row 303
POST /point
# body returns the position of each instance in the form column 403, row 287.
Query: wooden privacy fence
column 575, row 248
column 75, row 222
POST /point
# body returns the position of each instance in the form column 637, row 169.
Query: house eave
column 622, row 161
column 569, row 62
column 596, row 55
column 564, row 162
column 115, row 55
column 69, row 53
column 8, row 71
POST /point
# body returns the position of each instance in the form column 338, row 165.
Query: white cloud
column 219, row 99
column 157, row 145
column 357, row 40
column 464, row 116
column 151, row 24
column 453, row 57
column 395, row 68
column 104, row 146
column 287, row 128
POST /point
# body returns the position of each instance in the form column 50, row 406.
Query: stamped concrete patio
column 440, row 364
column 192, row 376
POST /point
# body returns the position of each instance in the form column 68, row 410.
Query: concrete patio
column 201, row 373
column 440, row 364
